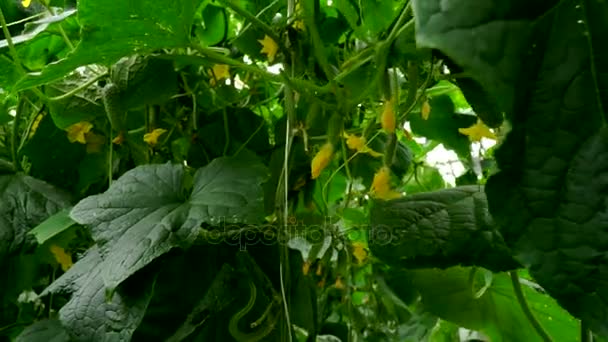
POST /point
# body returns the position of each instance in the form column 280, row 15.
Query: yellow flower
column 388, row 116
column 305, row 267
column 120, row 138
column 425, row 111
column 357, row 143
column 63, row 258
column 26, row 3
column 219, row 72
column 381, row 187
column 339, row 284
column 321, row 160
column 77, row 131
column 299, row 25
column 359, row 252
column 269, row 47
column 152, row 137
column 477, row 131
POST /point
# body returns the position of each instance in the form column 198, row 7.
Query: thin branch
column 519, row 294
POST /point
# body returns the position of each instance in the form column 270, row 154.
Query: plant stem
column 250, row 138
column 586, row 335
column 254, row 20
column 15, row 132
column 77, row 89
column 226, row 132
column 300, row 85
column 9, row 41
column 519, row 294
column 319, row 49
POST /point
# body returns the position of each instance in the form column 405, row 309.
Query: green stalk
column 9, row 41
column 319, row 49
column 226, row 132
column 519, row 294
column 77, row 89
column 255, row 21
column 15, row 132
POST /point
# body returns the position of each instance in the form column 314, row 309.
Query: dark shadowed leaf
column 544, row 66
column 441, row 229
column 24, row 203
column 89, row 315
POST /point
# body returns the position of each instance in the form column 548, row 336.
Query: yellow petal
column 355, row 142
column 152, row 137
column 477, row 131
column 358, row 144
column 321, row 160
column 359, row 252
column 26, row 3
column 220, row 71
column 389, row 120
column 339, row 284
column 305, row 267
column 425, row 110
column 63, row 258
column 119, row 139
column 319, row 269
column 269, row 47
column 77, row 131
column 299, row 25
column 381, row 187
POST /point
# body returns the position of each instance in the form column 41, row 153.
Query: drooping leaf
column 37, row 27
column 151, row 209
column 452, row 294
column 111, row 30
column 83, row 106
column 546, row 67
column 213, row 25
column 50, row 149
column 88, row 315
column 48, row 330
column 495, row 56
column 442, row 228
column 442, row 125
column 144, row 80
column 52, row 226
column 24, row 203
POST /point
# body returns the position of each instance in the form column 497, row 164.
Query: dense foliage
column 255, row 170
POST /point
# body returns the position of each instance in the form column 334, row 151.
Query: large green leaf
column 453, row 294
column 490, row 44
column 441, row 229
column 150, row 210
column 88, row 315
column 546, row 66
column 111, row 30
